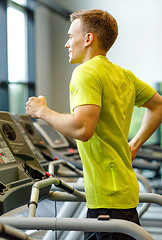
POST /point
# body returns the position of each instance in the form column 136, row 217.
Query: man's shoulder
column 83, row 68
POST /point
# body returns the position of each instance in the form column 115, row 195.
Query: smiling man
column 102, row 98
column 78, row 43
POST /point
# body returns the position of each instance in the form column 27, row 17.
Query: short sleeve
column 85, row 88
column 143, row 91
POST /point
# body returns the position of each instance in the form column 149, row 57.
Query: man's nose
column 67, row 44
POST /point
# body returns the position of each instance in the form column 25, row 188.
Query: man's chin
column 72, row 61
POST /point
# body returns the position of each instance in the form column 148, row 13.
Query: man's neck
column 93, row 54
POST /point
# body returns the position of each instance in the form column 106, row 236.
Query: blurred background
column 34, row 61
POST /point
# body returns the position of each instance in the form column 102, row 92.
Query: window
column 21, row 2
column 17, row 59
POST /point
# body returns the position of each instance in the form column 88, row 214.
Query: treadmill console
column 14, row 140
column 5, row 153
column 34, row 139
column 19, row 168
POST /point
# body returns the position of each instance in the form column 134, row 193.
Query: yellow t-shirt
column 109, row 179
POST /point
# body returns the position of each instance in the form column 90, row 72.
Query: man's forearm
column 151, row 121
column 64, row 123
column 80, row 125
column 67, row 124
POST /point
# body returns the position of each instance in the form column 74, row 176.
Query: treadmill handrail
column 11, row 232
column 151, row 198
column 148, row 189
column 78, row 224
column 46, row 182
column 143, row 197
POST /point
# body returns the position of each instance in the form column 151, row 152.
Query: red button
column 47, row 174
column 71, row 150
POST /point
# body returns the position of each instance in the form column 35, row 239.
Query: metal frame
column 31, row 50
column 46, row 182
column 53, row 164
column 12, row 233
column 4, row 101
column 148, row 189
column 75, row 224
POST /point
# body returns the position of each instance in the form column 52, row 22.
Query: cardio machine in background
column 150, row 159
column 64, row 145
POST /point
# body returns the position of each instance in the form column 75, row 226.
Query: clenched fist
column 35, row 106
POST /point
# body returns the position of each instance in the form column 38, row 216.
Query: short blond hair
column 100, row 23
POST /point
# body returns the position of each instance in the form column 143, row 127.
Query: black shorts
column 126, row 214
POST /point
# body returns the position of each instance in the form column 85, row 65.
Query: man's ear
column 89, row 39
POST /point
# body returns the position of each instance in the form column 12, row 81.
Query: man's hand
column 133, row 151
column 35, row 106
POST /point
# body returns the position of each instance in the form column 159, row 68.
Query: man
column 103, row 96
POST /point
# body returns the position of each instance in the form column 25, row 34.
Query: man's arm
column 80, row 125
column 151, row 121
